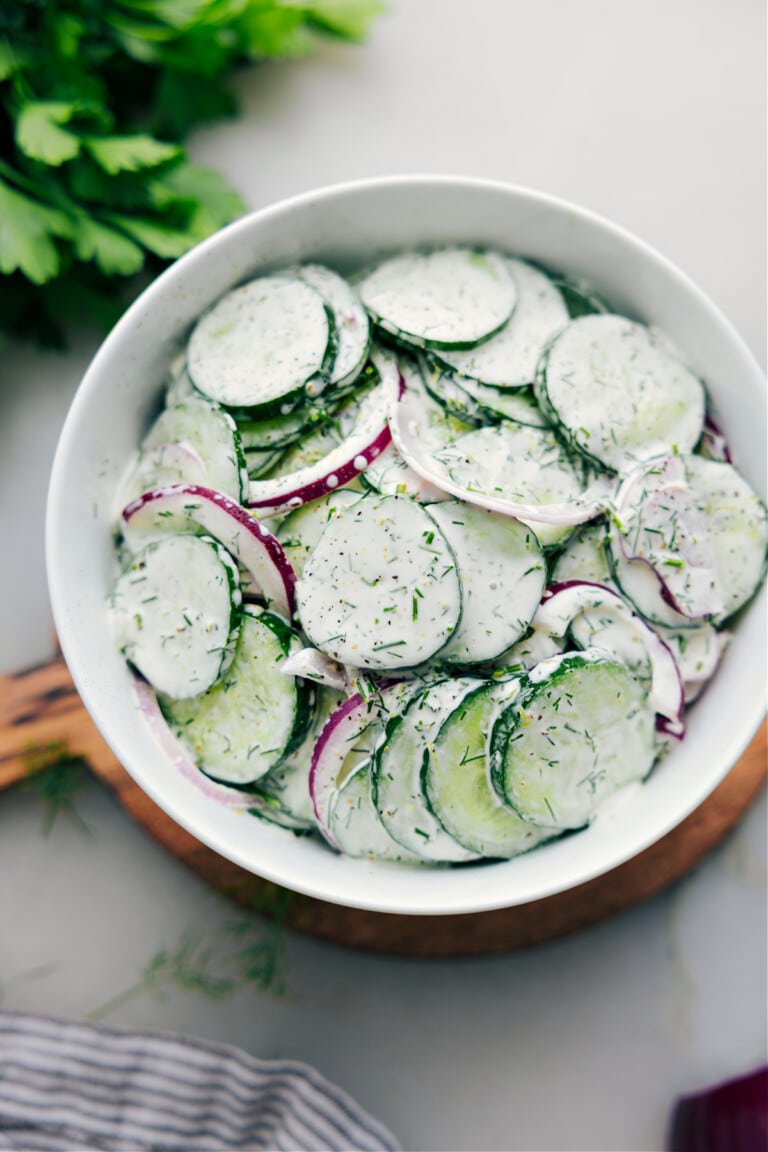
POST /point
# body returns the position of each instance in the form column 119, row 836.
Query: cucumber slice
column 444, row 387
column 381, row 589
column 264, row 347
column 476, row 404
column 278, row 431
column 639, row 584
column 697, row 652
column 737, row 526
column 327, row 410
column 162, row 464
column 353, row 332
column 584, row 557
column 288, row 783
column 517, row 463
column 516, row 404
column 437, row 424
column 176, row 613
column 449, row 298
column 456, row 779
column 502, row 573
column 579, row 298
column 704, row 536
column 213, row 435
column 313, row 445
column 598, row 619
column 580, row 730
column 509, row 359
column 355, row 825
column 254, row 717
column 617, row 392
column 340, row 778
column 179, row 387
column 261, row 461
column 300, row 531
column 396, row 773
column 389, row 475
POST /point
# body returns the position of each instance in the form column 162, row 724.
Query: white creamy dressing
column 399, row 796
column 584, row 558
column 387, row 585
column 516, row 463
column 172, row 614
column 352, row 325
column 583, row 733
column 213, row 452
column 300, row 531
column 391, row 476
column 453, row 296
column 459, row 784
column 381, row 589
column 355, row 823
column 509, row 359
column 598, row 619
column 502, row 571
column 620, row 393
column 260, row 342
column 238, row 729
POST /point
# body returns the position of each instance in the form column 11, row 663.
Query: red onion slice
column 367, row 439
column 331, row 749
column 311, row 664
column 248, row 540
column 662, row 525
column 713, row 442
column 180, row 757
column 730, row 1117
column 351, row 731
column 562, row 603
column 409, row 442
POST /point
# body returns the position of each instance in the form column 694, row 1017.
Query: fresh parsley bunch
column 96, row 97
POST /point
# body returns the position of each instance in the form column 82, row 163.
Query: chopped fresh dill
column 56, row 777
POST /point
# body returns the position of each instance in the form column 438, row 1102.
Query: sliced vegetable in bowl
column 487, row 704
column 346, row 229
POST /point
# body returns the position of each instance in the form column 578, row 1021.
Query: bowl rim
column 176, row 272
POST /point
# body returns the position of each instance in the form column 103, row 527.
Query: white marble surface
column 652, row 113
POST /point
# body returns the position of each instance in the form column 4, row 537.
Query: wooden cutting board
column 42, row 716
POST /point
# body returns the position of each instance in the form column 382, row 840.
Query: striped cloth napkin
column 70, row 1086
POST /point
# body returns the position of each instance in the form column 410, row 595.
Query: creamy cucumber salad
column 430, row 560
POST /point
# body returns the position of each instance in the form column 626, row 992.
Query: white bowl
column 347, row 226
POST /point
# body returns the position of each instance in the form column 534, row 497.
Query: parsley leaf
column 95, row 102
column 211, row 201
column 130, row 153
column 28, row 234
column 347, row 18
column 113, row 252
column 39, row 133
